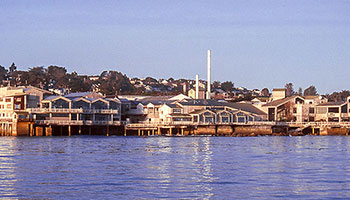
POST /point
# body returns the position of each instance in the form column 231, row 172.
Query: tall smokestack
column 208, row 73
column 197, row 86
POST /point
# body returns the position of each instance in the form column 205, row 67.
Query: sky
column 254, row 43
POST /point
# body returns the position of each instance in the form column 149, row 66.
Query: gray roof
column 199, row 111
column 246, row 107
column 202, row 102
column 51, row 97
column 159, row 102
column 77, row 94
column 172, row 105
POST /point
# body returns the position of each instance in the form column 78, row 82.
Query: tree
column 78, row 83
column 57, row 76
column 150, row 80
column 216, row 84
column 13, row 67
column 265, row 92
column 227, row 86
column 339, row 96
column 300, row 91
column 3, row 73
column 115, row 83
column 37, row 77
column 310, row 91
column 171, row 79
column 289, row 89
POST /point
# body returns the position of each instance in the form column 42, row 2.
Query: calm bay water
column 309, row 167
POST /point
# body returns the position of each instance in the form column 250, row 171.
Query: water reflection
column 175, row 167
column 7, row 168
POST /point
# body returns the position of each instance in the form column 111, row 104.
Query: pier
column 261, row 128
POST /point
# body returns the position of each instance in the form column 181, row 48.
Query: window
column 294, row 110
column 17, row 106
column 311, row 110
column 176, row 110
column 8, row 100
column 333, row 110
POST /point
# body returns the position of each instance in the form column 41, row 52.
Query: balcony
column 77, row 122
column 72, row 110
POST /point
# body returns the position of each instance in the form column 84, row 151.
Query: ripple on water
column 174, row 167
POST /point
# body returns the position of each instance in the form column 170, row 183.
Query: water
column 309, row 167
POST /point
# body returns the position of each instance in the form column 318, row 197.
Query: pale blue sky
column 254, row 43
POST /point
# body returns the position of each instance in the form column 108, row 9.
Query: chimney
column 208, row 73
column 197, row 86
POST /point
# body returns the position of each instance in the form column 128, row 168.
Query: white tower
column 208, row 73
column 197, row 86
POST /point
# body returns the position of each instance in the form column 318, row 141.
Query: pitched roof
column 246, row 107
column 51, row 97
column 339, row 103
column 77, row 94
column 202, row 102
column 281, row 101
column 171, row 105
column 179, row 97
column 157, row 103
column 311, row 97
column 262, row 98
column 200, row 111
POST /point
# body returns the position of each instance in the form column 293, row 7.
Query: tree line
column 54, row 77
column 312, row 91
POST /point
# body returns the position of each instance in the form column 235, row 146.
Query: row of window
column 5, row 99
column 6, row 115
column 8, row 106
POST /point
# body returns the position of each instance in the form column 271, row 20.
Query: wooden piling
column 69, row 130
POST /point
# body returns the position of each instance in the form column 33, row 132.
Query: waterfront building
column 296, row 108
column 14, row 105
column 286, row 109
column 77, row 108
column 132, row 111
column 333, row 111
column 172, row 114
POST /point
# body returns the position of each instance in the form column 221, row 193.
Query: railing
column 77, row 122
column 256, row 123
column 72, row 110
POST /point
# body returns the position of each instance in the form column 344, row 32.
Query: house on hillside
column 201, row 93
